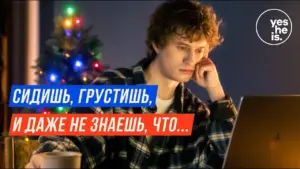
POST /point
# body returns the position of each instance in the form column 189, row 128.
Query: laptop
column 266, row 133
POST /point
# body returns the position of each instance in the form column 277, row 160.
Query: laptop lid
column 266, row 133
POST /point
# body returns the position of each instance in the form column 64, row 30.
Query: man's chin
column 183, row 80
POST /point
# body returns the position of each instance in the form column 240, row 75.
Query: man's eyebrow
column 182, row 43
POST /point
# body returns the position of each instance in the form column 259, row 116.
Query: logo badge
column 274, row 27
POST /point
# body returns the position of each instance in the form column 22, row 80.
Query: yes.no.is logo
column 274, row 27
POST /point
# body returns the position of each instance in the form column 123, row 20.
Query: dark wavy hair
column 188, row 19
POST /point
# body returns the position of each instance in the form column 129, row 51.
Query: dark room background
column 246, row 65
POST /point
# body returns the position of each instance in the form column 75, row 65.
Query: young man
column 180, row 36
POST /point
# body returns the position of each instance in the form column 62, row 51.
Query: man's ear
column 155, row 47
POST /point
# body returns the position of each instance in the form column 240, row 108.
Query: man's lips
column 187, row 70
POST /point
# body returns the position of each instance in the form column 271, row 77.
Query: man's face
column 178, row 58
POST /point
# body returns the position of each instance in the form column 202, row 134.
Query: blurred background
column 246, row 65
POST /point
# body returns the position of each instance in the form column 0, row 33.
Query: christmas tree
column 71, row 56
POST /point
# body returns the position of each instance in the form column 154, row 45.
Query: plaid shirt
column 205, row 148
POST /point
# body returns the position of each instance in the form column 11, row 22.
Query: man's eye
column 200, row 50
column 183, row 48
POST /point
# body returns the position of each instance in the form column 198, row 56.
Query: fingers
column 205, row 65
column 205, row 61
column 35, row 162
column 196, row 74
column 28, row 166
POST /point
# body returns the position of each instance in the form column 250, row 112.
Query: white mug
column 61, row 160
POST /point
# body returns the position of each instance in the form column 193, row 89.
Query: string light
column 84, row 79
column 78, row 21
column 96, row 65
column 60, row 109
column 53, row 77
column 26, row 139
column 41, row 72
column 68, row 23
column 68, row 33
column 67, row 55
column 78, row 63
column 70, row 11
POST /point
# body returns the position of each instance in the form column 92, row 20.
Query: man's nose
column 191, row 58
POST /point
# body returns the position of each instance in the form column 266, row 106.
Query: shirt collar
column 138, row 71
column 139, row 78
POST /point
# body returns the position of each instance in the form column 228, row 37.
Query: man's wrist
column 216, row 93
column 222, row 109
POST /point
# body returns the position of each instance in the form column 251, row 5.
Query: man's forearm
column 216, row 93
